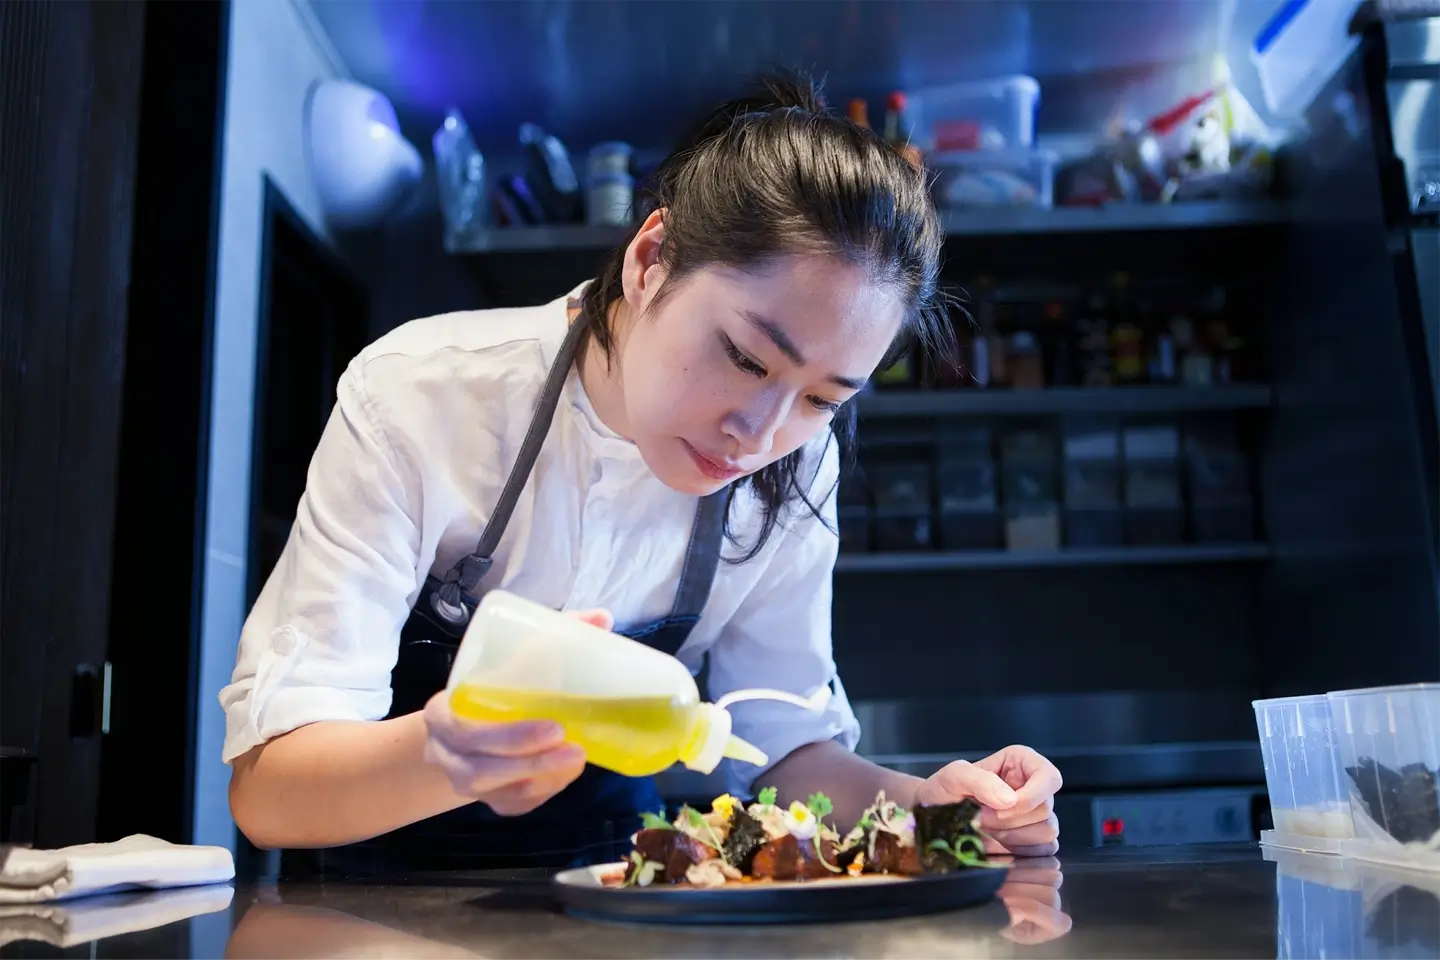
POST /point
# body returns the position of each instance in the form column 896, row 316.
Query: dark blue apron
column 591, row 821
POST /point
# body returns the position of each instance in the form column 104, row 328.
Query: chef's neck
column 602, row 376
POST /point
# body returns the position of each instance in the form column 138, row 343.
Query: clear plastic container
column 982, row 179
column 1390, row 762
column 1319, row 908
column 1308, row 802
column 633, row 709
column 995, row 114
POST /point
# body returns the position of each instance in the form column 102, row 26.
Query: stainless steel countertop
column 1230, row 902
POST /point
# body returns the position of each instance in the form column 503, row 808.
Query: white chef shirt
column 427, row 424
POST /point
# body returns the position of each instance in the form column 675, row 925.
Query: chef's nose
column 754, row 426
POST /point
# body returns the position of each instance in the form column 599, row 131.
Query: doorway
column 314, row 318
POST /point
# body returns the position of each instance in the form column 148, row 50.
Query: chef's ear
column 643, row 273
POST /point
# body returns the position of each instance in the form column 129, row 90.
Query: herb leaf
column 655, row 821
column 820, row 805
column 767, row 797
column 694, row 816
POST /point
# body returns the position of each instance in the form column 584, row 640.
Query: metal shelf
column 1145, row 400
column 1117, row 217
column 1039, row 559
column 542, row 239
column 958, row 223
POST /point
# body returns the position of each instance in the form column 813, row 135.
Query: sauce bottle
column 633, row 709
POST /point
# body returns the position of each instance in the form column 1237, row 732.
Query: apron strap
column 702, row 555
column 462, row 579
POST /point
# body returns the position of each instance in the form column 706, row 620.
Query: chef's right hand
column 510, row 767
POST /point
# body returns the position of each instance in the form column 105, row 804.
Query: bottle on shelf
column 897, row 131
column 1092, row 344
column 1056, row 344
column 859, row 112
column 1127, row 341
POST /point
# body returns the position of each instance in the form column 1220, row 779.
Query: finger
column 964, row 779
column 1042, row 781
column 1024, row 769
column 1034, row 922
column 1030, row 893
column 1037, row 872
column 520, row 739
column 477, row 776
column 1016, row 817
column 596, row 618
column 522, row 797
column 1035, row 840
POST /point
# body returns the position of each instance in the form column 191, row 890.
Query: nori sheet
column 947, row 822
column 746, row 836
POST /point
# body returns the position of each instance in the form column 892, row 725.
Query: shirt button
column 283, row 643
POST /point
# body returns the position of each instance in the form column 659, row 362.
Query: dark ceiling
column 639, row 70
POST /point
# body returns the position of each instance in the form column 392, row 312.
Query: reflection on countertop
column 1225, row 902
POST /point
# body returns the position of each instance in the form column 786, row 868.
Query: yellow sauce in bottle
column 633, row 736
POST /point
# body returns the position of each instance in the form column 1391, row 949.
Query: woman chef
column 690, row 402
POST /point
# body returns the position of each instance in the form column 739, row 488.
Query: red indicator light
column 1112, row 827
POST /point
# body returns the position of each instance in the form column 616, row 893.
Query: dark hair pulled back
column 771, row 175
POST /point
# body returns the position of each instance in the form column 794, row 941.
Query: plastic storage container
column 980, row 179
column 1308, row 802
column 1319, row 907
column 1092, row 487
column 996, row 114
column 1153, row 512
column 1390, row 759
column 633, row 709
column 966, row 488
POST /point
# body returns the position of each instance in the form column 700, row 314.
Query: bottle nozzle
column 737, row 749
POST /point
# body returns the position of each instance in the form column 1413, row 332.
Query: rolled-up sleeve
column 322, row 638
column 780, row 638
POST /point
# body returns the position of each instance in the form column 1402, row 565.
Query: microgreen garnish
column 655, row 821
column 967, row 850
column 644, row 873
column 820, row 805
column 697, row 820
column 767, row 797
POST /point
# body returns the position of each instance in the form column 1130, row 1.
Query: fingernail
column 548, row 732
column 1004, row 796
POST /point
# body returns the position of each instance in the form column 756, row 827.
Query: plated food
column 765, row 842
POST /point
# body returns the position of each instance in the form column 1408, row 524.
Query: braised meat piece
column 891, row 856
column 786, row 858
column 676, row 852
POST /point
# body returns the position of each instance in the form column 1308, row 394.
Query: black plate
column 581, row 893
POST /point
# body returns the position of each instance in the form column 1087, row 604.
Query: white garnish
column 799, row 822
column 711, row 873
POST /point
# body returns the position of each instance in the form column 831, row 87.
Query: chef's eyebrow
column 776, row 335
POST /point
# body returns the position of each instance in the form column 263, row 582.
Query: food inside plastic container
column 1308, row 801
column 1390, row 754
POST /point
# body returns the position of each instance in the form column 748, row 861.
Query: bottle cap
column 716, row 743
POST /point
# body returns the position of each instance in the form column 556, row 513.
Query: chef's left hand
column 1016, row 788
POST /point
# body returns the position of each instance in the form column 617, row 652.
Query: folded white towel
column 35, row 876
column 94, row 918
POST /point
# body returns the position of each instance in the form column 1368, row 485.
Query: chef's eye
column 823, row 405
column 744, row 363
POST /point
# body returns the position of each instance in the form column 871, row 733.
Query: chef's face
column 731, row 371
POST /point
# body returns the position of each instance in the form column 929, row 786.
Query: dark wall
column 1351, row 596
column 164, row 433
column 69, row 98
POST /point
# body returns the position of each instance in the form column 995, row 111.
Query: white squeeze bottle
column 633, row 709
